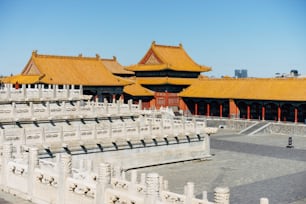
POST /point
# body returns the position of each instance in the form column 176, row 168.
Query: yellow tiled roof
column 165, row 80
column 73, row 70
column 137, row 90
column 22, row 79
column 115, row 67
column 169, row 57
column 288, row 89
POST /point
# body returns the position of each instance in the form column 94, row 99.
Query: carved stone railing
column 38, row 92
column 30, row 111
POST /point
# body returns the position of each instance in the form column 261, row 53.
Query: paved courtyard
column 252, row 166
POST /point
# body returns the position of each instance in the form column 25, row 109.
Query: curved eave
column 248, row 89
column 22, row 79
column 137, row 90
column 160, row 67
column 165, row 80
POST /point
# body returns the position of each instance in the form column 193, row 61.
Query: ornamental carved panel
column 152, row 60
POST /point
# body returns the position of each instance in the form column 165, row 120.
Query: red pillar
column 207, row 109
column 248, row 112
column 295, row 115
column 196, row 108
column 263, row 112
column 166, row 99
column 221, row 108
column 279, row 113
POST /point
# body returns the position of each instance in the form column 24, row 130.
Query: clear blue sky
column 262, row 36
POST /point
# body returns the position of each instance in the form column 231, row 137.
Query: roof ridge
column 110, row 59
column 168, row 46
column 80, row 56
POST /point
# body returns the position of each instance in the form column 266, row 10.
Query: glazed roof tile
column 287, row 89
column 168, row 57
column 80, row 70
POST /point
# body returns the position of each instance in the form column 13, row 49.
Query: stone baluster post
column 6, row 157
column 204, row 195
column 118, row 106
column 63, row 108
column 67, row 92
column 43, row 136
column 140, row 105
column 264, row 201
column 206, row 144
column 40, row 94
column 133, row 188
column 194, row 125
column 89, row 165
column 32, row 164
column 150, row 127
column 24, row 92
column 123, row 175
column 31, row 109
column 54, row 92
column 78, row 132
column 138, row 130
column 78, row 107
column 81, row 91
column 48, row 109
column 222, row 195
column 105, row 106
column 82, row 164
column 2, row 136
column 165, row 185
column 189, row 192
column 143, row 179
column 130, row 105
column 103, row 182
column 152, row 185
column 61, row 135
column 23, row 136
column 117, row 171
column 65, row 170
column 14, row 111
column 8, row 91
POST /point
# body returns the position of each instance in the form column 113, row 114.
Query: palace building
column 168, row 76
column 279, row 99
column 166, row 70
column 91, row 72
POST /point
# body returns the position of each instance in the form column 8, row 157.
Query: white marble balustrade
column 64, row 110
column 39, row 92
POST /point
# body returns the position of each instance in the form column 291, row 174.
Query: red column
column 196, row 108
column 279, row 113
column 295, row 115
column 263, row 112
column 207, row 109
column 248, row 112
column 166, row 99
column 221, row 108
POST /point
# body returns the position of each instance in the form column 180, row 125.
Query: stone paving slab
column 252, row 166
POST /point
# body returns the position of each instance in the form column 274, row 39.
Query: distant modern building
column 293, row 73
column 241, row 73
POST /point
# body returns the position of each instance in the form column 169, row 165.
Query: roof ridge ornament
column 97, row 56
column 34, row 53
